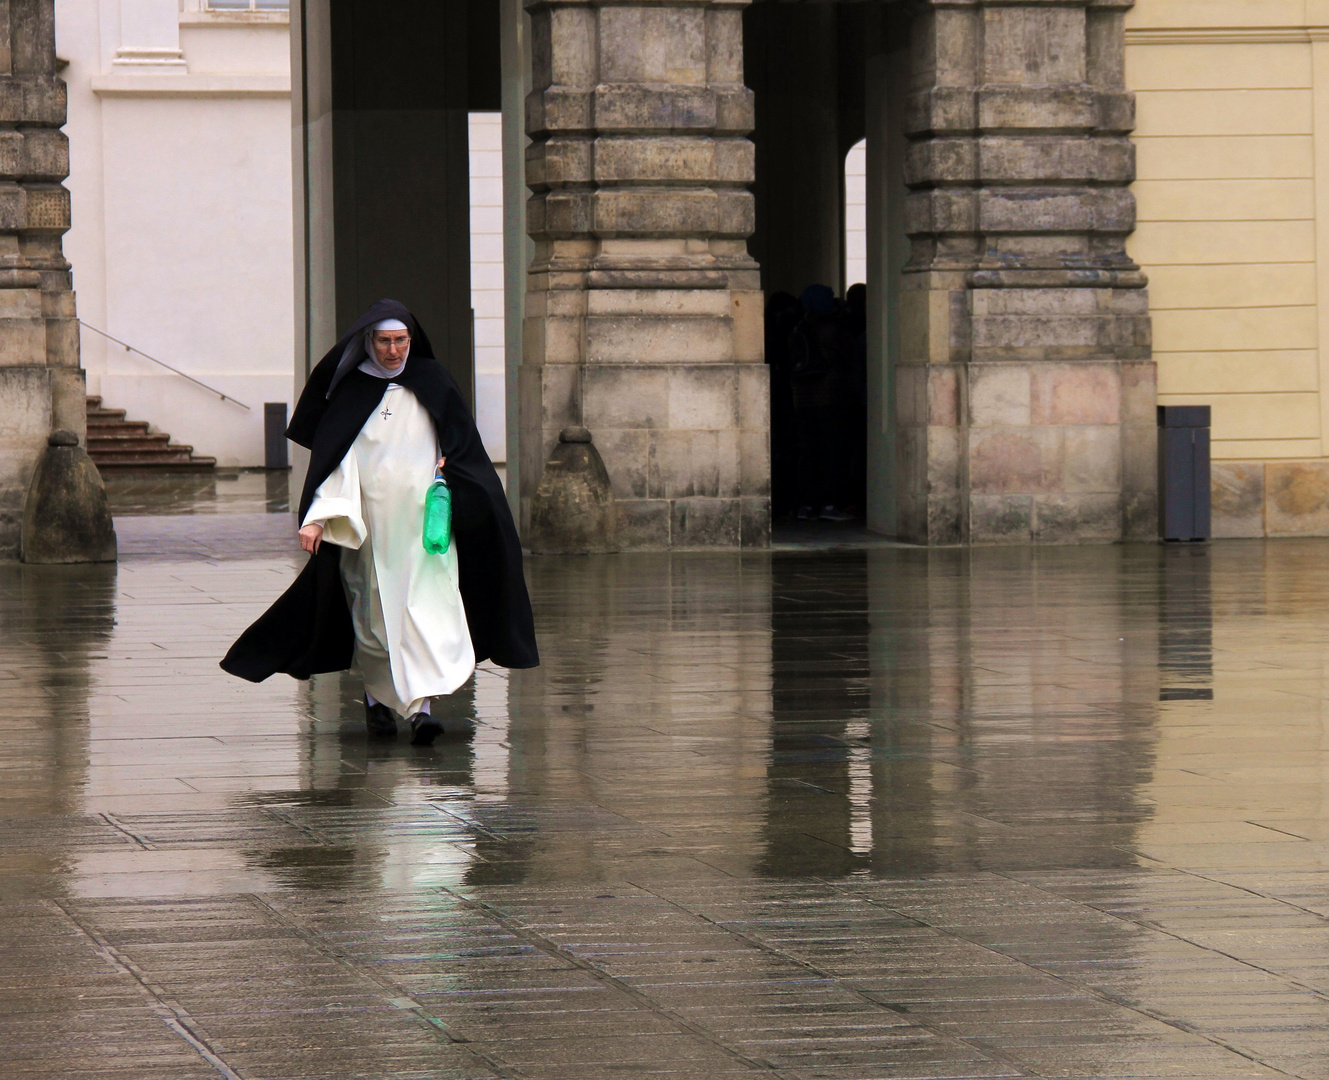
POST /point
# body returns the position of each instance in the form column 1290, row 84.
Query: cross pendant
column 386, row 412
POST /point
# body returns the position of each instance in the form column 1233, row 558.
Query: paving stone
column 851, row 815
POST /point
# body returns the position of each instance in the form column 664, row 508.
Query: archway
column 827, row 81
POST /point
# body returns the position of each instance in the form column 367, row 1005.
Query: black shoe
column 380, row 721
column 424, row 729
column 832, row 513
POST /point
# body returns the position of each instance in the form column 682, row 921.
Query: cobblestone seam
column 1085, row 988
column 1163, row 1018
column 985, row 1052
column 124, row 830
column 171, row 1013
column 549, row 948
column 394, row 994
column 287, row 819
column 1302, row 986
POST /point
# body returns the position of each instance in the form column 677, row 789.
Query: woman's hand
column 441, row 462
column 311, row 538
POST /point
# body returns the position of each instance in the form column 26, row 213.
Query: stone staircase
column 117, row 443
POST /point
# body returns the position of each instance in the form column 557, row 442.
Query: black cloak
column 309, row 630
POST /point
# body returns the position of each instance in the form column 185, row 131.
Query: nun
column 381, row 416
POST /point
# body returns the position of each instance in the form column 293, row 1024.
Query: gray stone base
column 25, row 402
column 698, row 522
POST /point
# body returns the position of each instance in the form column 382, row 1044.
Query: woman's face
column 390, row 347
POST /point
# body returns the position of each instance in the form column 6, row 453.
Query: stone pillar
column 41, row 383
column 1024, row 388
column 643, row 312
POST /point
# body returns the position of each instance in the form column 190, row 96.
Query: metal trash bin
column 275, row 455
column 1183, row 472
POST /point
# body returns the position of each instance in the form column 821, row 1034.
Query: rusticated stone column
column 643, row 316
column 1025, row 388
column 41, row 383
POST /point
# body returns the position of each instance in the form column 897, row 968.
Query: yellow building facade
column 1233, row 201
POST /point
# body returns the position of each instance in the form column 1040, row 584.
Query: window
column 248, row 5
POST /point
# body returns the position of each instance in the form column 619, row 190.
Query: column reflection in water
column 57, row 622
column 642, row 738
column 819, row 779
column 1186, row 624
column 1054, row 723
column 1223, row 730
column 961, row 710
column 917, row 645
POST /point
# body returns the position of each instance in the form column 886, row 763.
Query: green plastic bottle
column 438, row 516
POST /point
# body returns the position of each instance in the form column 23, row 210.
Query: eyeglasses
column 396, row 342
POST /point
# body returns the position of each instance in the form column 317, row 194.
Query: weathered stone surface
column 1139, row 478
column 999, row 396
column 943, row 396
column 638, row 339
column 1016, row 460
column 573, row 512
column 642, row 290
column 755, row 527
column 700, row 522
column 1274, row 498
column 35, row 154
column 41, row 385
column 644, row 524
column 1092, row 459
column 1001, row 519
column 1237, row 499
column 1018, row 284
column 1076, row 394
column 1024, row 366
column 66, row 518
column 1297, row 498
column 1074, row 518
column 671, row 158
column 37, row 100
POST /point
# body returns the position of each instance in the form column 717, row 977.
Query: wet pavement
column 853, row 814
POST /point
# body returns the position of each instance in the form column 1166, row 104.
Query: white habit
column 411, row 639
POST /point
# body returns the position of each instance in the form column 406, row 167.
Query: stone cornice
column 118, row 85
column 1226, row 35
column 235, row 18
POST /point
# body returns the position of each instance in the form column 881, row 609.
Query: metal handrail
column 163, row 363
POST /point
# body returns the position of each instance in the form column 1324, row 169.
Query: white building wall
column 856, row 214
column 486, row 141
column 180, row 176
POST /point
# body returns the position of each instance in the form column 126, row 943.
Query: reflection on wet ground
column 845, row 814
column 139, row 492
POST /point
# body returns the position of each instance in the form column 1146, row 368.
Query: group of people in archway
column 816, row 346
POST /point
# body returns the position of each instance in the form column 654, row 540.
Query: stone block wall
column 1270, row 498
column 644, row 311
column 41, row 383
column 1025, row 390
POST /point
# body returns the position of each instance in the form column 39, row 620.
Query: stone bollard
column 573, row 512
column 66, row 518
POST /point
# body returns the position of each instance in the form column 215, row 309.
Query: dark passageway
column 809, row 67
